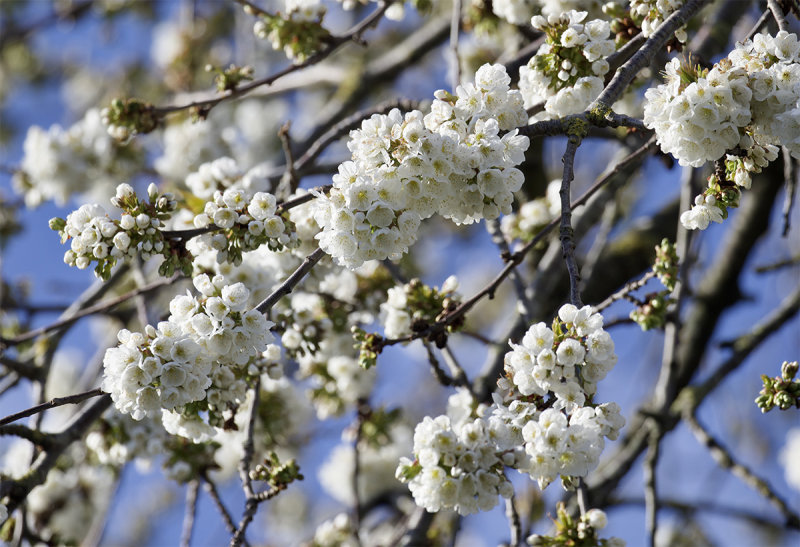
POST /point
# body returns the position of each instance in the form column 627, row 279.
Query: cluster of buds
column 228, row 79
column 298, row 33
column 651, row 312
column 415, row 306
column 666, row 264
column 95, row 237
column 782, row 391
column 369, row 346
column 276, row 474
column 577, row 532
column 126, row 118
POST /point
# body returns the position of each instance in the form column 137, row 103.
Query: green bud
column 788, row 369
column 57, row 224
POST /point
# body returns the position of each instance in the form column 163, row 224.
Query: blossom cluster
column 82, row 159
column 404, row 169
column 196, row 361
column 246, row 222
column 95, row 237
column 567, row 71
column 542, row 421
column 748, row 101
column 456, row 467
column 567, row 360
column 410, row 305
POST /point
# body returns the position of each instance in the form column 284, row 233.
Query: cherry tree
column 385, row 273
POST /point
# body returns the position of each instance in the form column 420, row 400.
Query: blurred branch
column 725, row 460
column 73, row 11
column 68, row 318
column 191, row 512
column 18, row 490
column 790, row 177
column 354, row 34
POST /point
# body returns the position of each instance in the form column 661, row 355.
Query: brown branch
column 287, row 286
column 58, row 401
column 725, row 459
column 566, row 232
column 625, row 74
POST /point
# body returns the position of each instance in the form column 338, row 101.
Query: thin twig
column 18, row 490
column 455, row 31
column 354, row 34
column 626, row 290
column 790, row 177
column 97, row 308
column 787, row 263
column 287, row 286
column 456, row 370
column 725, row 460
column 437, row 369
column 759, row 24
column 650, row 486
column 289, row 180
column 191, row 511
column 362, row 412
column 625, row 75
column 53, row 403
column 211, row 488
column 514, row 524
column 251, row 503
column 523, row 301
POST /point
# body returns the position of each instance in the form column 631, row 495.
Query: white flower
column 235, row 296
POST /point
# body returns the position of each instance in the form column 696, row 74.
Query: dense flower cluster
column 456, row 467
column 567, row 71
column 246, row 222
column 568, row 446
column 82, row 159
column 568, row 360
column 415, row 302
column 698, row 122
column 542, row 421
column 404, row 169
column 95, row 237
column 533, row 215
column 197, row 360
column 749, row 101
